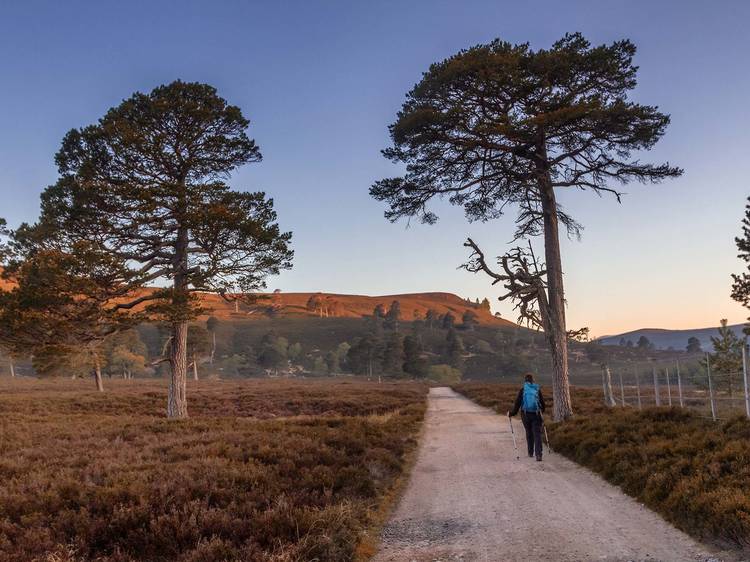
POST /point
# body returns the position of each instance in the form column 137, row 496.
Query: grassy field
column 500, row 396
column 263, row 470
column 694, row 472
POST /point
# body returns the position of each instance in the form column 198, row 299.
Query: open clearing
column 470, row 499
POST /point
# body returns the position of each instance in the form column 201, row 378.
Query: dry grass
column 256, row 398
column 500, row 396
column 105, row 477
column 694, row 472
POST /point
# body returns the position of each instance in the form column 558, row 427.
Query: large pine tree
column 148, row 184
column 501, row 125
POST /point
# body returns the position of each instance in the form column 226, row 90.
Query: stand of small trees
column 322, row 305
column 65, row 303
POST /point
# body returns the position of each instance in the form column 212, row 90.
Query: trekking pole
column 544, row 425
column 513, row 433
column 546, row 436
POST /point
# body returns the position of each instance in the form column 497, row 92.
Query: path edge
column 371, row 537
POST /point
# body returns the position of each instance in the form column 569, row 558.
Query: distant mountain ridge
column 676, row 339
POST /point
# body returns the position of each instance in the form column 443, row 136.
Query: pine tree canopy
column 741, row 282
column 147, row 185
column 483, row 126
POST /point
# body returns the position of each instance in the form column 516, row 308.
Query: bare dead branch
column 523, row 278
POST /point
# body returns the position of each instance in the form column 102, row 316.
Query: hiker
column 531, row 403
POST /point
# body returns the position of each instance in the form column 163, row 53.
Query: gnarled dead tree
column 525, row 281
column 522, row 277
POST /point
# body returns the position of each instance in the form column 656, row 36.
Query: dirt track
column 470, row 499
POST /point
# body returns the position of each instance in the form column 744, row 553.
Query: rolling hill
column 284, row 305
column 413, row 306
column 664, row 339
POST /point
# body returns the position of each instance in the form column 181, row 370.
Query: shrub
column 444, row 374
column 691, row 470
column 108, row 478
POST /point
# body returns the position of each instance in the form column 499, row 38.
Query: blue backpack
column 530, row 397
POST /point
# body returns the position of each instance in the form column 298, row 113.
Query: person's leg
column 527, row 425
column 537, row 430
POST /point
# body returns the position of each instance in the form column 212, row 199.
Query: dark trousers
column 532, row 423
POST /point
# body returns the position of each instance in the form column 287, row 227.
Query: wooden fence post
column 656, row 386
column 679, row 384
column 608, row 372
column 744, row 378
column 669, row 386
column 710, row 387
column 604, row 389
column 638, row 387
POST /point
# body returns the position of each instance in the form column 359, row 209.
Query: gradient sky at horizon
column 321, row 81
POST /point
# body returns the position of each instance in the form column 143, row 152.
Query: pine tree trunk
column 557, row 335
column 195, row 367
column 177, row 398
column 12, row 368
column 98, row 374
column 213, row 347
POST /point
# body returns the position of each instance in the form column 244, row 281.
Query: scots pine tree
column 741, row 281
column 393, row 354
column 501, row 126
column 644, row 343
column 693, row 345
column 415, row 363
column 455, row 349
column 147, row 183
column 726, row 360
column 469, row 320
column 198, row 345
column 212, row 324
column 393, row 316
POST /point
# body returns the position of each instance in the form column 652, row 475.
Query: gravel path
column 470, row 499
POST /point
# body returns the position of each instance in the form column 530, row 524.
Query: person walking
column 531, row 403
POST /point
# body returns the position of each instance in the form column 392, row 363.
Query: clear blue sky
column 321, row 81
